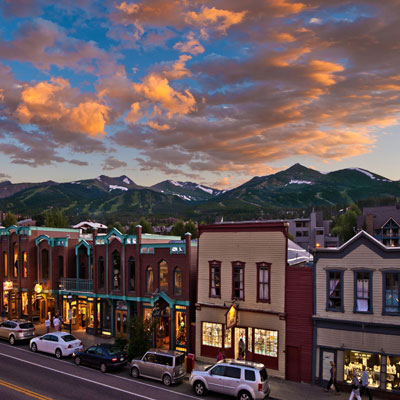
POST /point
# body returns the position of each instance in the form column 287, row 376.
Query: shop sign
column 231, row 317
column 7, row 285
column 156, row 312
column 121, row 305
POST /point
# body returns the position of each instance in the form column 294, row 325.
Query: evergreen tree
column 10, row 219
column 140, row 336
column 56, row 219
column 190, row 227
column 146, row 226
column 179, row 229
column 132, row 229
column 117, row 225
column 346, row 223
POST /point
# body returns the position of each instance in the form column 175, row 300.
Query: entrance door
column 121, row 324
column 326, row 356
column 43, row 310
column 293, row 363
column 240, row 341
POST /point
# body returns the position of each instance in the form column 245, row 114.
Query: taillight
column 70, row 346
column 114, row 359
column 20, row 331
column 260, row 388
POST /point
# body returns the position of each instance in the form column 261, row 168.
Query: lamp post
column 69, row 298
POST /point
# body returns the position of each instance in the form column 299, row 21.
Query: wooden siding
column 248, row 247
column 361, row 257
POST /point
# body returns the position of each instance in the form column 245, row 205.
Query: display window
column 180, row 327
column 91, row 312
column 354, row 360
column 250, row 339
column 266, row 342
column 393, row 373
column 24, row 300
column 212, row 334
column 228, row 338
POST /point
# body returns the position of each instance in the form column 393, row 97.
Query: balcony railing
column 76, row 285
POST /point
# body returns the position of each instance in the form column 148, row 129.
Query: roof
column 296, row 254
column 90, row 224
column 242, row 363
column 381, row 215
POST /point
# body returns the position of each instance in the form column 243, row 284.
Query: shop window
column 212, row 334
column 15, row 260
column 393, row 373
column 5, row 263
column 131, row 268
column 391, row 290
column 250, row 339
column 25, row 264
column 215, row 279
column 266, row 342
column 24, row 300
column 334, row 291
column 116, row 268
column 238, row 280
column 354, row 360
column 149, row 280
column 362, row 291
column 101, row 273
column 263, row 284
column 60, row 266
column 45, row 264
column 181, row 327
column 228, row 338
column 163, row 277
column 178, row 281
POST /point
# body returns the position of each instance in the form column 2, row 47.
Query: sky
column 210, row 91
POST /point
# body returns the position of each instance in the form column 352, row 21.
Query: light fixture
column 38, row 288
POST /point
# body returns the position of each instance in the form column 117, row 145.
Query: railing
column 76, row 285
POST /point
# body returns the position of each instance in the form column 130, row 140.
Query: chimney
column 138, row 235
column 369, row 223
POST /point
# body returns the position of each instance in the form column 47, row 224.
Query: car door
column 99, row 356
column 43, row 343
column 4, row 330
column 215, row 379
column 89, row 356
column 52, row 344
column 231, row 380
column 147, row 364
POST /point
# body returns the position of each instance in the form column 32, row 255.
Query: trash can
column 189, row 362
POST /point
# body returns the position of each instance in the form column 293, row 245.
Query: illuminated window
column 163, row 277
column 178, row 281
column 215, row 279
column 15, row 260
column 228, row 338
column 149, row 280
column 5, row 263
column 212, row 334
column 25, row 264
column 266, row 342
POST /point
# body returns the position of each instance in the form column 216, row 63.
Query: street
column 25, row 375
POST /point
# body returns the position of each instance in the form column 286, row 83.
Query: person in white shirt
column 47, row 325
column 364, row 383
column 56, row 323
column 355, row 387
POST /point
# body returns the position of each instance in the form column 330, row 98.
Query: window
column 263, row 284
column 25, row 264
column 232, row 372
column 215, row 279
column 163, row 278
column 266, row 342
column 249, row 375
column 250, row 339
column 178, row 281
column 101, row 273
column 335, row 290
column 149, row 280
column 238, row 280
column 211, row 334
column 131, row 268
column 362, row 291
column 319, row 232
column 60, row 266
column 5, row 263
column 45, row 264
column 391, row 292
column 219, row 370
column 15, row 260
column 354, row 360
column 228, row 338
column 116, row 270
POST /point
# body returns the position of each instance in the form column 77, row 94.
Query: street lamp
column 69, row 298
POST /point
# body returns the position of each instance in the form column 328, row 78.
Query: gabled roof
column 390, row 218
column 297, row 255
column 93, row 225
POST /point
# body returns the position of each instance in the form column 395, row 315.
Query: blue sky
column 212, row 91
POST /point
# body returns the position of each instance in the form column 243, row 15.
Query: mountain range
column 295, row 188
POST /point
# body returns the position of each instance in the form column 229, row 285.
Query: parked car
column 16, row 329
column 60, row 344
column 104, row 356
column 243, row 379
column 166, row 366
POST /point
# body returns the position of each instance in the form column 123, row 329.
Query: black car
column 104, row 356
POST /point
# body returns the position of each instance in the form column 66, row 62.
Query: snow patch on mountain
column 127, row 181
column 204, row 189
column 99, row 179
column 113, row 187
column 184, row 196
column 176, row 183
column 295, row 181
column 364, row 172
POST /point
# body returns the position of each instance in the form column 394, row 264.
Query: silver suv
column 16, row 329
column 166, row 366
column 243, row 379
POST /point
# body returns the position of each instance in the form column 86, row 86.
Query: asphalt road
column 26, row 375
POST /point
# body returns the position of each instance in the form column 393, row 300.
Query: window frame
column 384, row 273
column 213, row 264
column 242, row 265
column 178, row 269
column 148, row 269
column 43, row 251
column 370, row 288
column 165, row 264
column 116, row 256
column 101, row 268
column 329, row 308
column 24, row 264
column 5, row 264
column 131, row 267
column 263, row 265
column 15, row 254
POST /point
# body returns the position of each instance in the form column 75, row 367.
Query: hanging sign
column 7, row 285
column 231, row 317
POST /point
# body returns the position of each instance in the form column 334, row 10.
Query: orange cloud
column 134, row 114
column 157, row 126
column 191, row 46
column 284, row 37
column 89, row 117
column 178, row 69
column 322, row 72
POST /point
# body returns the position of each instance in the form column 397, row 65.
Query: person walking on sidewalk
column 364, row 383
column 355, row 387
column 333, row 379
column 47, row 324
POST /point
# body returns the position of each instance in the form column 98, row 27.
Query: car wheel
column 199, row 388
column 58, row 353
column 11, row 339
column 244, row 395
column 134, row 372
column 77, row 360
column 166, row 380
column 103, row 368
column 34, row 347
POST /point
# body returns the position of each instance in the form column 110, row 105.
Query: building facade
column 357, row 312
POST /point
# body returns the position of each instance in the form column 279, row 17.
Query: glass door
column 121, row 324
column 240, row 343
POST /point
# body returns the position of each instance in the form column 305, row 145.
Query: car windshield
column 208, row 367
column 68, row 338
column 26, row 325
column 112, row 350
column 263, row 374
column 180, row 360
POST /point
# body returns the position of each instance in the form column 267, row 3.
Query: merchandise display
column 212, row 334
column 354, row 360
column 393, row 373
column 266, row 342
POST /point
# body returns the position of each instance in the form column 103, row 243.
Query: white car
column 58, row 343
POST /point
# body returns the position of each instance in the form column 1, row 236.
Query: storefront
column 121, row 319
column 80, row 312
column 393, row 373
column 354, row 361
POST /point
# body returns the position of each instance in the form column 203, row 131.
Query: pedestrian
column 364, row 383
column 355, row 387
column 47, row 325
column 220, row 356
column 56, row 323
column 333, row 379
column 242, row 347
